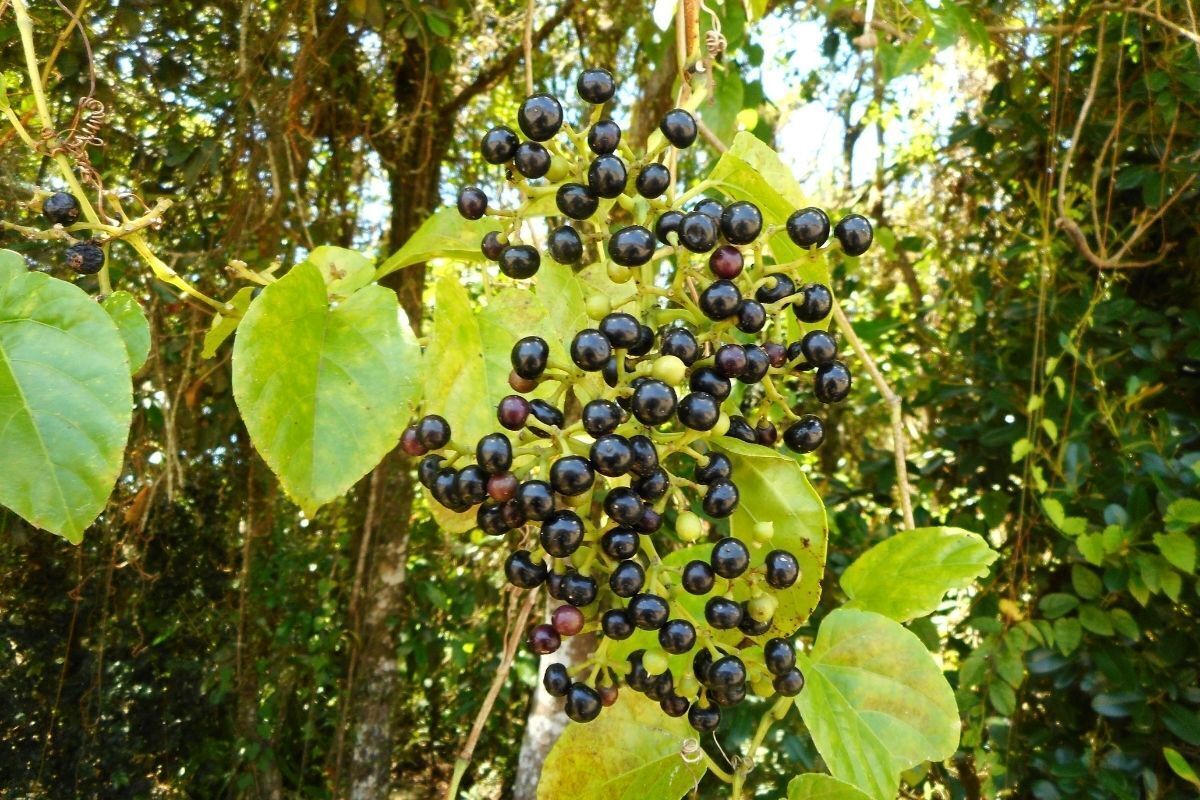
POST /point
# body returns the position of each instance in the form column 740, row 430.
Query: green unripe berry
column 670, row 370
column 764, row 531
column 655, row 662
column 762, row 608
column 619, row 274
column 559, row 169
column 599, row 306
column 687, row 686
column 688, row 527
column 722, row 426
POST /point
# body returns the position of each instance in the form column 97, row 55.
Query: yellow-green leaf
column 815, row 786
column 131, row 322
column 223, row 325
column 444, row 234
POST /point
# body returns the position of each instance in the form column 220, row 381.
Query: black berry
column 805, row 435
column 815, row 303
column 536, row 499
column 623, row 506
column 722, row 613
column 616, row 624
column 433, row 432
column 522, row 572
column 808, row 227
column 61, row 208
column 520, row 261
column 604, row 136
column 583, row 703
column 556, row 680
column 854, row 234
column 540, row 117
column 730, row 558
column 741, row 222
column 86, row 258
column 677, row 636
column 832, row 383
column 720, row 300
column 571, row 475
column 494, row 453
column 632, row 246
column 611, row 455
column 751, row 316
column 782, row 569
column 601, row 417
column 576, row 201
column 818, row 347
column 668, row 223
column 779, row 656
column 707, row 379
column 532, row 160
column 562, row 533
column 564, row 245
column 653, row 180
column 620, row 543
column 649, row 611
column 699, row 411
column 621, row 329
column 491, row 246
column 679, row 127
column 627, row 579
column 698, row 232
column 698, row 577
column 775, row 289
column 607, row 176
column 790, row 683
column 596, row 86
column 499, row 145
column 653, row 402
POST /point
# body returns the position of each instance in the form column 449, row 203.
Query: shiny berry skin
column 546, row 414
column 814, row 304
column 773, row 291
column 616, row 624
column 698, row 577
column 790, row 683
column 805, row 435
column 623, row 506
column 677, row 636
column 596, row 86
column 698, row 232
column 668, row 223
column 590, row 350
column 512, row 412
column 611, row 455
column 751, row 316
column 494, row 453
column 727, row 671
column 564, row 245
column 645, row 341
column 699, row 411
column 578, row 590
column 522, row 572
column 707, row 379
column 808, row 227
column 490, row 519
column 681, row 343
column 567, row 620
column 752, row 627
column 410, row 443
column 741, row 222
column 499, row 145
column 621, row 329
column 758, row 363
column 704, row 720
column 603, row 137
column 583, row 703
column 700, row 664
column 576, row 201
column 854, row 234
column 653, row 180
column 601, row 417
column 427, row 470
column 607, row 176
column 782, row 569
column 779, row 656
column 832, row 383
column 502, row 487
column 679, row 128
column 726, row 262
column 739, row 428
column 767, row 433
column 728, row 696
column 632, row 246
column 540, row 117
column 730, row 360
column 619, row 543
column 653, row 402
column 720, row 500
column 445, row 488
column 491, row 246
column 85, row 258
column 645, row 455
column 730, row 558
column 720, row 300
column 722, row 613
column 674, row 706
column 554, row 584
column 556, row 681
column 536, row 499
column 543, row 639
column 652, row 487
column 712, row 208
column 649, row 611
column 520, row 261
column 571, row 475
column 532, row 160
column 650, row 520
column 61, row 208
column 776, row 353
column 433, row 432
column 472, row 202
column 627, row 579
column 562, row 533
column 818, row 347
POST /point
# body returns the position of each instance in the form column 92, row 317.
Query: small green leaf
column 131, row 322
column 907, row 575
column 1094, row 619
column 1180, row 766
column 632, row 750
column 445, row 234
column 1124, row 624
column 1002, row 697
column 1177, row 548
column 1092, row 547
column 1067, row 635
column 1020, row 449
column 1056, row 604
column 1172, row 584
column 815, row 786
column 1087, row 583
column 223, row 325
column 1051, row 429
column 345, row 271
column 1185, row 509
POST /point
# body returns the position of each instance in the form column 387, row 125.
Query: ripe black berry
column 776, row 353
column 757, row 364
column 854, row 234
column 814, row 304
column 720, row 501
column 512, row 412
column 699, row 411
column 494, row 453
column 779, row 656
column 536, row 499
column 532, row 160
column 607, row 176
column 722, row 613
column 556, row 680
column 679, row 127
column 604, row 136
column 632, row 246
column 650, row 520
column 620, row 543
column 653, row 402
column 653, row 180
column 700, row 664
column 490, row 519
column 832, row 383
column 590, row 350
column 674, row 706
column 616, row 624
column 668, row 223
column 720, row 300
column 611, row 455
column 774, row 290
column 805, row 435
column 717, row 468
column 627, row 579
column 698, row 577
column 546, row 414
column 583, row 703
column 621, row 329
column 726, row 262
column 751, row 626
column 564, row 245
column 730, row 360
column 522, row 572
column 472, row 484
column 818, row 347
column 433, row 432
column 707, row 379
column 61, row 208
column 704, row 719
column 741, row 222
column 540, row 117
column 623, row 506
column 645, row 455
column 576, row 201
column 596, row 86
column 649, row 611
column 86, row 258
column 730, row 558
column 637, row 677
column 578, row 590
column 728, row 696
column 562, row 533
column 491, row 246
column 601, row 417
column 681, row 343
column 653, row 486
column 677, row 636
column 698, row 232
column 751, row 316
column 739, row 428
column 445, row 488
column 808, row 227
column 710, row 207
column 766, row 432
column 499, row 145
column 727, row 671
column 571, row 475
column 427, row 470
column 790, row 683
column 782, row 569
column 520, row 261
column 543, row 639
column 644, row 343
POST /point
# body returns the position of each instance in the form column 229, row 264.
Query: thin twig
column 527, row 44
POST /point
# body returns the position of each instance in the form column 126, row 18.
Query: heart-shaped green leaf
column 325, row 390
column 65, row 400
column 815, row 786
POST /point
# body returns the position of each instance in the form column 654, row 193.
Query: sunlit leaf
column 131, row 322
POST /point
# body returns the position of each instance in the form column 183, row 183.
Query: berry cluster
column 695, row 355
column 86, row 258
